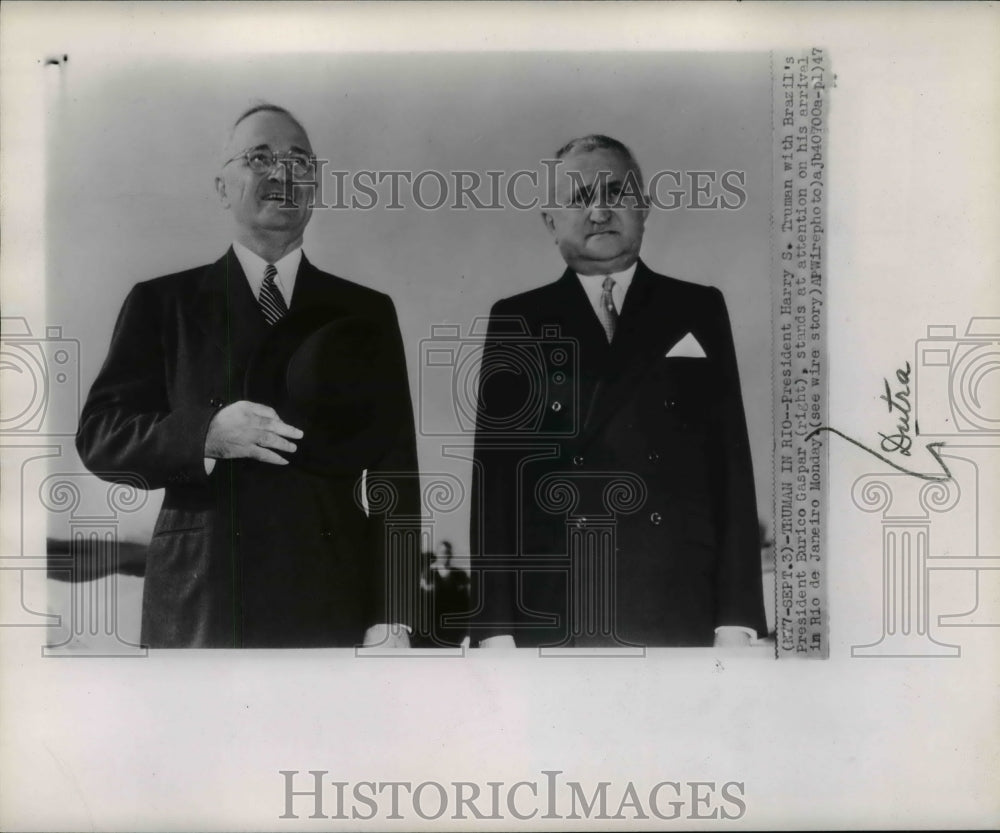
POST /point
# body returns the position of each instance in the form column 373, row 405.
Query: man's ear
column 220, row 189
column 549, row 223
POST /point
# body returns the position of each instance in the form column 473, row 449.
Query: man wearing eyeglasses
column 252, row 548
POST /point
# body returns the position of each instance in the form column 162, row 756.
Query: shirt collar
column 254, row 266
column 623, row 279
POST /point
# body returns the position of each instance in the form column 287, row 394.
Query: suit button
column 670, row 404
column 578, row 460
column 215, row 402
column 656, row 518
column 654, row 456
column 557, row 406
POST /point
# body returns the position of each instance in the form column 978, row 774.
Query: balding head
column 232, row 145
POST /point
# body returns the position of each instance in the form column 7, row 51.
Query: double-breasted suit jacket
column 253, row 554
column 630, row 446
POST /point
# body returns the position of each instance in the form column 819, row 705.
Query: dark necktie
column 607, row 311
column 271, row 301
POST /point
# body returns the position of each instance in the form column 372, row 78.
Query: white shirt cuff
column 209, row 464
column 748, row 631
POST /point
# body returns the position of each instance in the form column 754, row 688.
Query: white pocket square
column 687, row 348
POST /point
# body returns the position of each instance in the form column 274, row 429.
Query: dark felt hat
column 333, row 375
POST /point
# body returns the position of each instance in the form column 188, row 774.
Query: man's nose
column 278, row 171
column 599, row 213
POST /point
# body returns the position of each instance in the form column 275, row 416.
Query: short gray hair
column 259, row 107
column 598, row 141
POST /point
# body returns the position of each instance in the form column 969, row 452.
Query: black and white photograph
column 456, row 230
column 498, row 416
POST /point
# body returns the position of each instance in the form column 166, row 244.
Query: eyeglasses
column 263, row 160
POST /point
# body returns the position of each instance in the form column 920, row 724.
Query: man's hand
column 504, row 640
column 247, row 429
column 386, row 636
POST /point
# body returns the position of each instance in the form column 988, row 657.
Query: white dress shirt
column 254, row 266
column 593, row 285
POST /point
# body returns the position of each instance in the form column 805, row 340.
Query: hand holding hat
column 330, row 373
column 249, row 429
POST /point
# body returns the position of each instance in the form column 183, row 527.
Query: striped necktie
column 271, row 301
column 606, row 311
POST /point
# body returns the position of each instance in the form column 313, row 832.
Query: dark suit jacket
column 640, row 460
column 253, row 554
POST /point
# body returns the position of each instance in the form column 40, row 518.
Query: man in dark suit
column 255, row 545
column 613, row 492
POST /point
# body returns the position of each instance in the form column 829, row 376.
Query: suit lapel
column 308, row 286
column 210, row 309
column 578, row 323
column 578, row 318
column 314, row 288
column 227, row 313
column 649, row 324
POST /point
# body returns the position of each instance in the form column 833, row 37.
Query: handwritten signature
column 901, row 442
column 899, row 401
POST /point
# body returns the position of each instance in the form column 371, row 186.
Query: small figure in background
column 446, row 592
